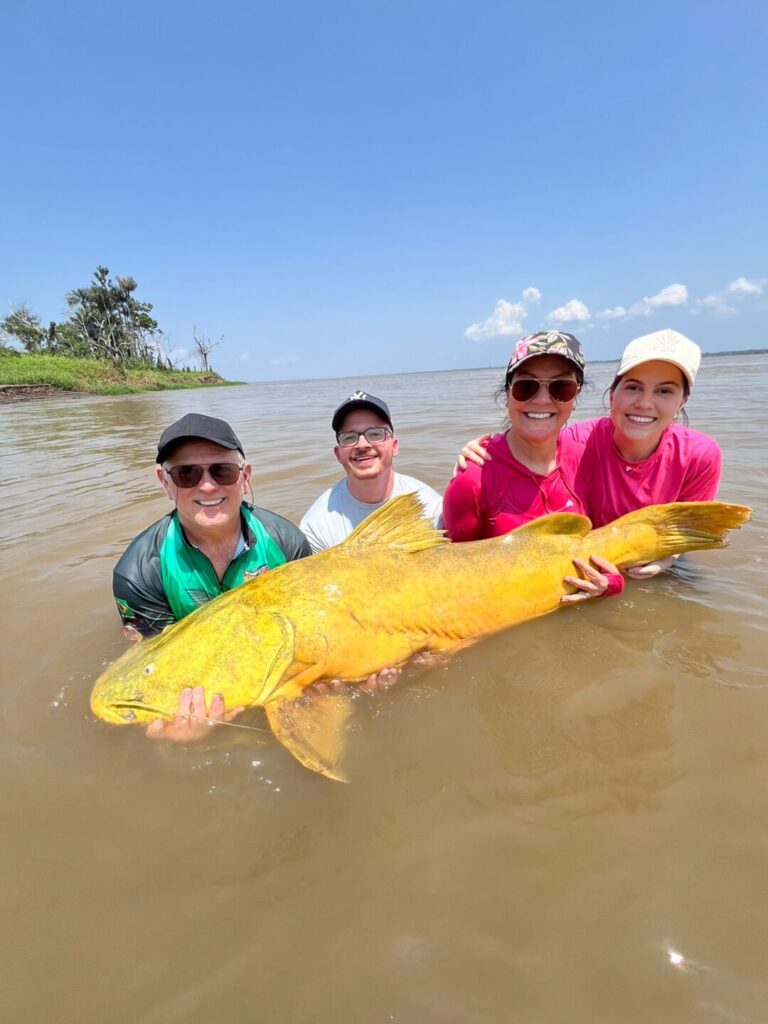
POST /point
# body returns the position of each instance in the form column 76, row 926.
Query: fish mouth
column 123, row 712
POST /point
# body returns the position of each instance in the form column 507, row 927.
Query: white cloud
column 743, row 286
column 284, row 360
column 572, row 312
column 614, row 313
column 714, row 304
column 507, row 318
column 532, row 294
column 672, row 295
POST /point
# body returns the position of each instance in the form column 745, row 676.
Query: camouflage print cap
column 547, row 343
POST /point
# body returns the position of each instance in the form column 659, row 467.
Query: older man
column 366, row 446
column 211, row 542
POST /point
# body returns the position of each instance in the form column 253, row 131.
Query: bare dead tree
column 204, row 346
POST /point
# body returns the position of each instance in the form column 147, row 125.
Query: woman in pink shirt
column 641, row 455
column 532, row 465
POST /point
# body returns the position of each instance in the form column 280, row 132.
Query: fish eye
column 129, row 716
column 149, row 670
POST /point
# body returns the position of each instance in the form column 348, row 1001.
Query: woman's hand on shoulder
column 473, row 451
column 600, row 579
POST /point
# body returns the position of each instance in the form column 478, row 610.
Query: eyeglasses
column 373, row 435
column 562, row 389
column 224, row 473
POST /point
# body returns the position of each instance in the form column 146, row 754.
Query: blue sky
column 358, row 187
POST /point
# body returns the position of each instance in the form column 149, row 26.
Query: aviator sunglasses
column 373, row 435
column 562, row 389
column 224, row 473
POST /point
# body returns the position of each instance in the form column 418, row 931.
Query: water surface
column 564, row 824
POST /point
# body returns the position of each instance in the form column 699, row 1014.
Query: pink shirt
column 685, row 467
column 491, row 500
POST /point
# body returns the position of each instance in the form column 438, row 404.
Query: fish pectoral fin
column 400, row 523
column 312, row 728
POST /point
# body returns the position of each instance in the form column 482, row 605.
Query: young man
column 365, row 446
column 211, row 542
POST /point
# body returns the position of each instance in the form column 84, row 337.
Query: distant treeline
column 739, row 352
column 106, row 321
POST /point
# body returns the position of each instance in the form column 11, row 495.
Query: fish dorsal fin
column 400, row 523
column 559, row 523
column 312, row 729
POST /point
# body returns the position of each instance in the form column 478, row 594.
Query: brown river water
column 565, row 824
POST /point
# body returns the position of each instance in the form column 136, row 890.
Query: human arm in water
column 195, row 718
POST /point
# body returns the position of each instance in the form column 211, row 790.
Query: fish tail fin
column 312, row 728
column 656, row 531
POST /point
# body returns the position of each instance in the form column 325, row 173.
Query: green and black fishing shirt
column 161, row 577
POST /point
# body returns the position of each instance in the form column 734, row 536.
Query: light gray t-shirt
column 335, row 514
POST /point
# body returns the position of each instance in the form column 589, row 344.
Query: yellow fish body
column 393, row 588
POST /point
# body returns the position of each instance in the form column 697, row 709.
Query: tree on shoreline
column 106, row 321
column 204, row 346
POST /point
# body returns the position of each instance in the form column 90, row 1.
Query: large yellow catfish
column 393, row 588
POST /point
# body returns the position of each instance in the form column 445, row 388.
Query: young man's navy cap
column 360, row 400
column 195, row 426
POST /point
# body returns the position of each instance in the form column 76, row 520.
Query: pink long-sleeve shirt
column 686, row 466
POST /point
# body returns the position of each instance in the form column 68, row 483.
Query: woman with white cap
column 640, row 455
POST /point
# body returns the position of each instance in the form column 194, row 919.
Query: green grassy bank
column 22, row 372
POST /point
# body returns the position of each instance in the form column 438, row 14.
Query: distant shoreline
column 32, row 376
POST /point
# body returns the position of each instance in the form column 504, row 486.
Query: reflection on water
column 562, row 824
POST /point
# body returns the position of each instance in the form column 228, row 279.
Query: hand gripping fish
column 395, row 587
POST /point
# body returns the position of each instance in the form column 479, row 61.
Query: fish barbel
column 395, row 587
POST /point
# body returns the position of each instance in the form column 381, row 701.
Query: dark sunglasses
column 562, row 389
column 373, row 435
column 224, row 473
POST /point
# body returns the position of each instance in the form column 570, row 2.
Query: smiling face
column 539, row 420
column 643, row 403
column 363, row 460
column 208, row 505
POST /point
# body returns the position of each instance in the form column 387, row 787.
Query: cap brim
column 624, row 369
column 163, row 452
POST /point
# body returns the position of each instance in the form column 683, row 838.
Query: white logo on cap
column 666, row 345
column 357, row 395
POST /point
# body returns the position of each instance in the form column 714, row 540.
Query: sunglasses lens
column 563, row 390
column 225, row 473
column 186, row 476
column 524, row 388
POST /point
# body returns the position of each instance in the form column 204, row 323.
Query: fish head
column 244, row 657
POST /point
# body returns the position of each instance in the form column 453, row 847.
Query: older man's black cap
column 195, row 426
column 360, row 400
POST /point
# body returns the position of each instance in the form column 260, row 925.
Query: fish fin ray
column 659, row 530
column 400, row 523
column 312, row 729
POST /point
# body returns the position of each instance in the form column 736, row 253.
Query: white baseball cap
column 667, row 346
